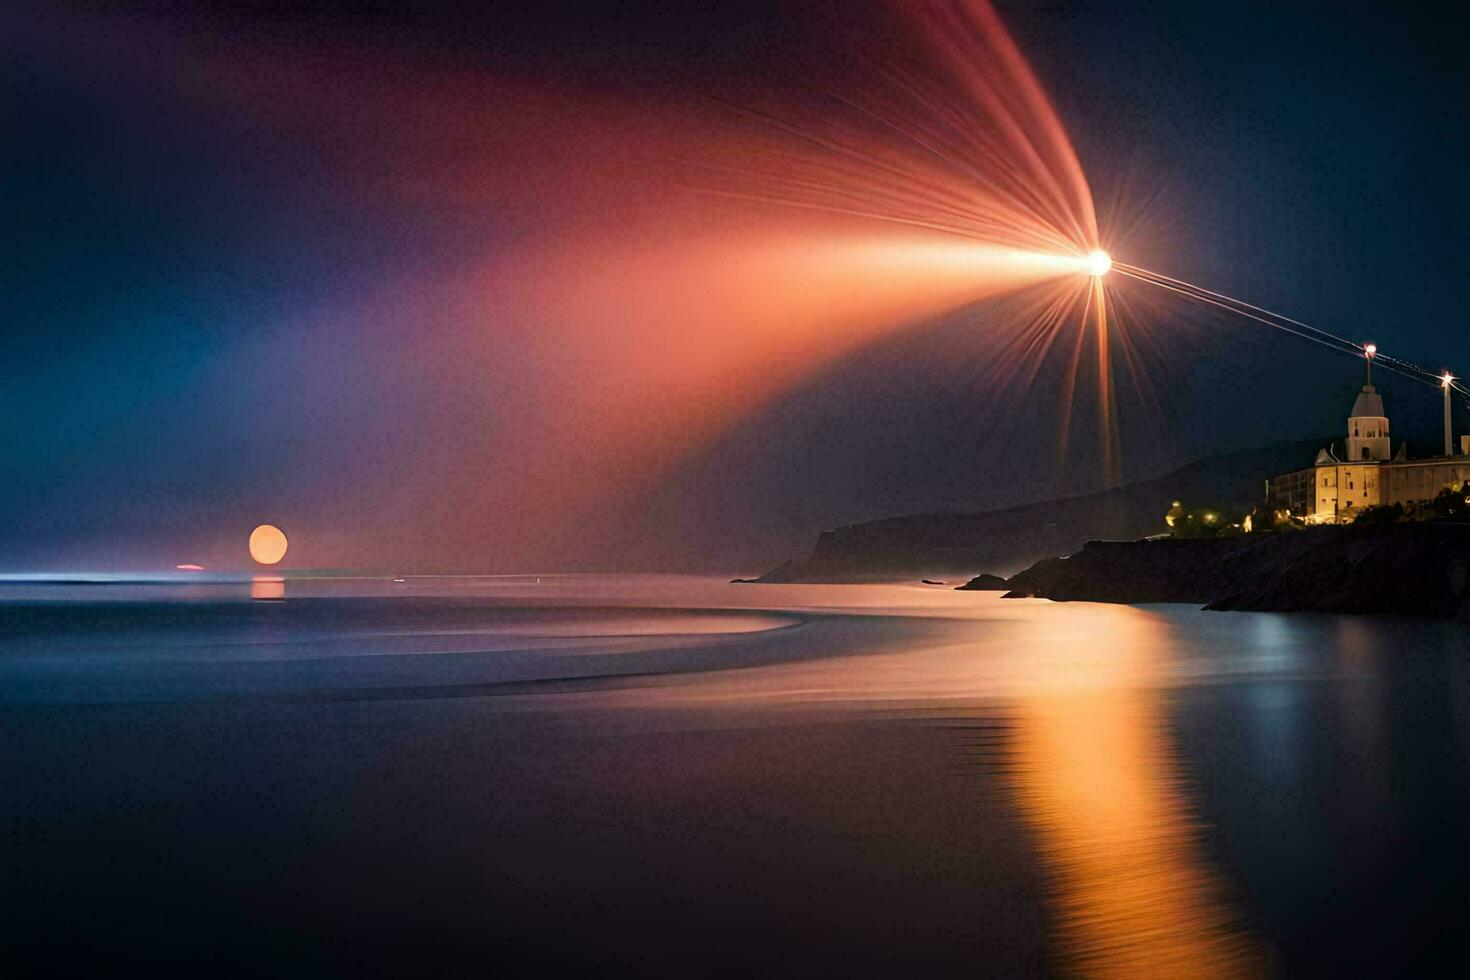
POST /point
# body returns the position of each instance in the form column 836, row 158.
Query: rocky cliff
column 1414, row 569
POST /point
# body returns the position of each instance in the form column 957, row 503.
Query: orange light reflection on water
column 267, row 588
column 1096, row 776
column 1081, row 691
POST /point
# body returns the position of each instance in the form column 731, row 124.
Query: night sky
column 398, row 278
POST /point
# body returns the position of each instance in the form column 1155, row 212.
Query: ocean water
column 655, row 775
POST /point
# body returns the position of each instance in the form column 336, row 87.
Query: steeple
column 1367, row 425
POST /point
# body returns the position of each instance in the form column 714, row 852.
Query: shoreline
column 1411, row 569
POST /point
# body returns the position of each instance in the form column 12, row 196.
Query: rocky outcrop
column 1414, row 569
column 985, row 582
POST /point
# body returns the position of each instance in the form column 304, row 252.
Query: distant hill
column 939, row 545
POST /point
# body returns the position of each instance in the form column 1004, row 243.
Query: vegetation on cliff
column 1451, row 505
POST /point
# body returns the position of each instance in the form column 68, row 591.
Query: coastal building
column 1363, row 470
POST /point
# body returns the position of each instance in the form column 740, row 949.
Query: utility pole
column 1449, row 436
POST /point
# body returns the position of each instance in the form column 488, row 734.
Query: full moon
column 267, row 544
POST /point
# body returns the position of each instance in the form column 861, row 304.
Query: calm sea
column 655, row 775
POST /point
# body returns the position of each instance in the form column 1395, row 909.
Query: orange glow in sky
column 640, row 273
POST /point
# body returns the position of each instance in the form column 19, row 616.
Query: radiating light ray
column 1160, row 277
column 1333, row 344
column 1134, row 358
column 1284, row 323
column 1069, row 385
column 1122, row 341
column 1107, row 417
column 973, row 147
column 857, row 174
column 632, row 274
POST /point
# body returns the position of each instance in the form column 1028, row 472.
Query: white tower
column 1367, row 425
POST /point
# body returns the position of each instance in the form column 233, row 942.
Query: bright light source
column 1446, row 379
column 1098, row 262
column 1371, row 349
column 267, row 544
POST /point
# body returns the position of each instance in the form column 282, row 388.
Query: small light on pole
column 1368, row 352
column 1449, row 435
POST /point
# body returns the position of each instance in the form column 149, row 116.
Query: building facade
column 1362, row 472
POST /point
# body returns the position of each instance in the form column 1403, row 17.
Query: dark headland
column 1414, row 568
column 1411, row 569
column 957, row 545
